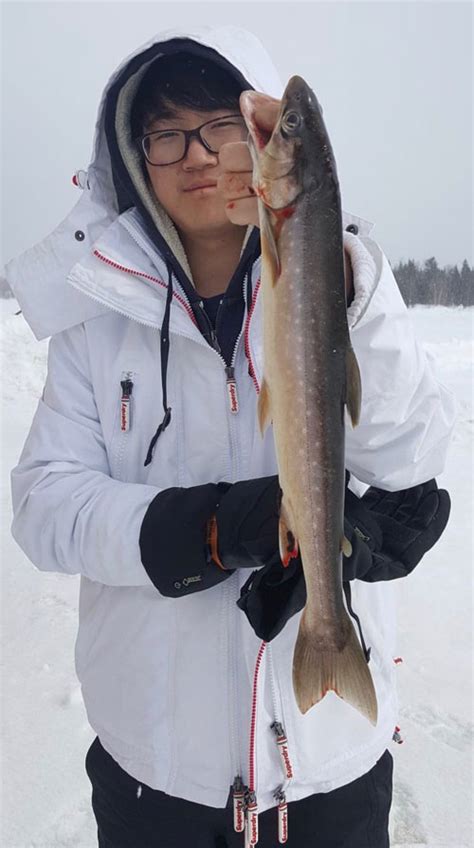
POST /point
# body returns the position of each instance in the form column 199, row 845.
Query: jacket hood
column 114, row 180
column 236, row 50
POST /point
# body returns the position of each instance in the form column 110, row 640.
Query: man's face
column 187, row 189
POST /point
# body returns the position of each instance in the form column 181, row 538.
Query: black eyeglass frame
column 188, row 135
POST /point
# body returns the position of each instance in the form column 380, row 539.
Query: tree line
column 431, row 285
column 426, row 284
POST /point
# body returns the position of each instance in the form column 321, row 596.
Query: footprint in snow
column 442, row 727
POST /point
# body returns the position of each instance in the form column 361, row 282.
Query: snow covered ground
column 45, row 791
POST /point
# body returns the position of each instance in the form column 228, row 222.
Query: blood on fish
column 285, row 213
column 292, row 550
column 260, row 192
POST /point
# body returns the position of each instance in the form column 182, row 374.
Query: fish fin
column 346, row 547
column 318, row 670
column 353, row 387
column 287, row 539
column 269, row 245
column 264, row 410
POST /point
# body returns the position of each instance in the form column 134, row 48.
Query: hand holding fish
column 235, row 183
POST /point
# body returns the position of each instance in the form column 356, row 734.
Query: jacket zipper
column 239, row 788
column 278, row 727
column 248, row 355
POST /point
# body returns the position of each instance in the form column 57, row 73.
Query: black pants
column 354, row 816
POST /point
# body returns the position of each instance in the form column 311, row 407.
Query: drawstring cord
column 165, row 347
column 347, row 591
column 165, row 344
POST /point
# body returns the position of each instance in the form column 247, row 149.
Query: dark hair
column 182, row 81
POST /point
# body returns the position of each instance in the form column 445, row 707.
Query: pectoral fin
column 269, row 245
column 264, row 407
column 346, row 547
column 353, row 387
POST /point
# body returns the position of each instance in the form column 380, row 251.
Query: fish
column 310, row 378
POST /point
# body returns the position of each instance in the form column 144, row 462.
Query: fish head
column 283, row 151
column 317, row 165
column 273, row 151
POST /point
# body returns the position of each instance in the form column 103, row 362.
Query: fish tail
column 318, row 670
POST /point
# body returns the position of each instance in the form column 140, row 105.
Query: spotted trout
column 310, row 378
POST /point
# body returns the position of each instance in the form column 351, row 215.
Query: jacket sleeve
column 407, row 416
column 69, row 514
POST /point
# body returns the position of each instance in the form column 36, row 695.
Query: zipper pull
column 238, row 794
column 212, row 333
column 232, row 389
column 282, row 743
column 215, row 343
column 397, row 736
column 251, row 819
column 282, row 817
column 125, row 404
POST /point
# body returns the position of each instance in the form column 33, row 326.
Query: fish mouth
column 260, row 132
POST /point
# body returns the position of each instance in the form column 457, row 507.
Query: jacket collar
column 125, row 273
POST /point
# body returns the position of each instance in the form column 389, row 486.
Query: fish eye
column 291, row 121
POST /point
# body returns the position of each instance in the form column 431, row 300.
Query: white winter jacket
column 167, row 683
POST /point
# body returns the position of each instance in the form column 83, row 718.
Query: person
column 144, row 471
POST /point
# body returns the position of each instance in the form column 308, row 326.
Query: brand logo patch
column 188, row 580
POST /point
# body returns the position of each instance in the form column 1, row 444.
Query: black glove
column 398, row 527
column 389, row 533
column 247, row 522
column 272, row 595
column 193, row 538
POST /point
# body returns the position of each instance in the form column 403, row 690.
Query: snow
column 45, row 790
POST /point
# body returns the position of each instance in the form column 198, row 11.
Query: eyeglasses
column 166, row 147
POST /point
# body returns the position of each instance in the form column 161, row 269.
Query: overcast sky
column 394, row 80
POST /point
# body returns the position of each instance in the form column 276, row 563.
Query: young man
column 145, row 473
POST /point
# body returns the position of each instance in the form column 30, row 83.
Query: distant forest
column 427, row 284
column 431, row 285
